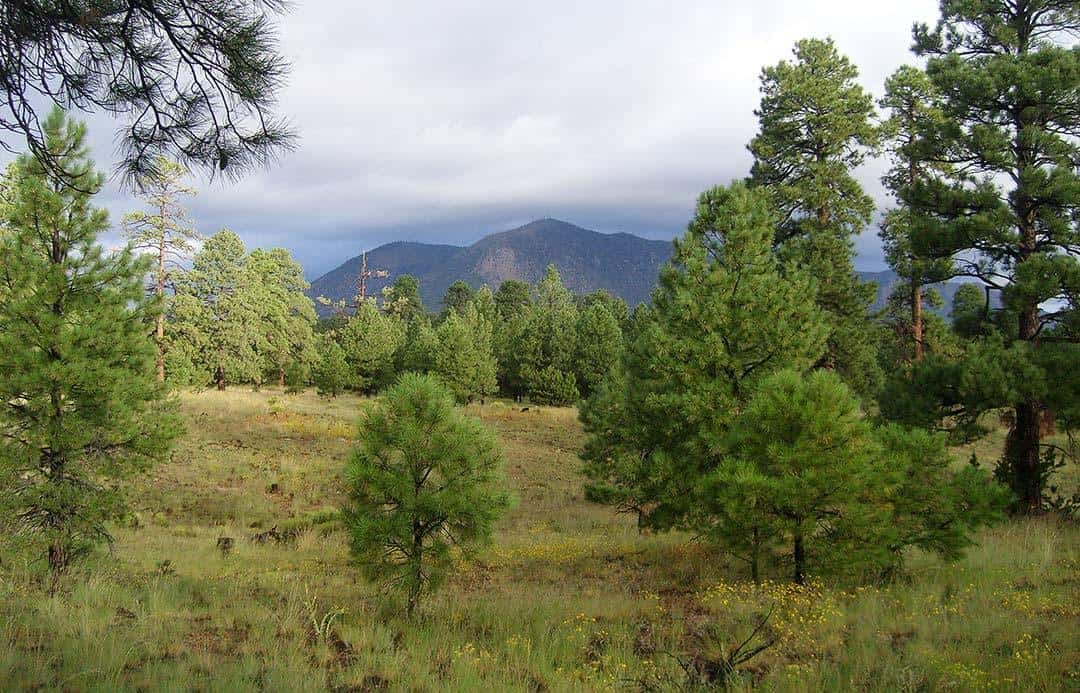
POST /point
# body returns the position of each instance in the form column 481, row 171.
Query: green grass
column 569, row 597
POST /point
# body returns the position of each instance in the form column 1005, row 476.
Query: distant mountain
column 622, row 264
column 887, row 280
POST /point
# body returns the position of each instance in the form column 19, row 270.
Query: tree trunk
column 916, row 319
column 799, row 555
column 1024, row 441
column 418, row 573
column 755, row 557
column 281, row 375
column 1023, row 444
column 1022, row 451
column 159, row 289
column 159, row 334
column 220, row 378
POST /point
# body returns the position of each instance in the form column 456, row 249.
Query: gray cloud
column 443, row 122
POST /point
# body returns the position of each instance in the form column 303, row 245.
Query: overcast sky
column 444, row 122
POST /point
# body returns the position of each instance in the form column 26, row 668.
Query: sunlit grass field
column 569, row 597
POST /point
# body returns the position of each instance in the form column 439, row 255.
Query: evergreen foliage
column 970, row 314
column 194, row 79
column 402, row 298
column 164, row 233
column 458, row 295
column 816, row 128
column 224, row 305
column 599, row 346
column 553, row 387
column 287, row 315
column 465, row 359
column 915, row 114
column 418, row 351
column 725, row 315
column 82, row 409
column 548, row 343
column 512, row 298
column 1006, row 208
column 331, row 372
column 425, row 478
column 801, row 466
column 371, row 339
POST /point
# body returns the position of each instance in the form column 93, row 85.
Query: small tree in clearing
column 424, row 479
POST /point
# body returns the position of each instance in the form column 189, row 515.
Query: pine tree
column 1007, row 208
column 223, row 301
column 465, row 360
column 725, row 314
column 931, row 507
column 424, row 478
column 484, row 300
column 512, row 298
column 599, row 346
column 915, row 114
column 553, row 387
column 82, row 408
column 371, row 339
column 402, row 298
column 897, row 347
column 816, row 128
column 331, row 371
column 419, row 348
column 614, row 305
column 512, row 355
column 621, row 472
column 287, row 313
column 802, row 457
column 549, row 342
column 164, row 232
column 457, row 297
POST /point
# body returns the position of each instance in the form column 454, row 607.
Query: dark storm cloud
column 443, row 122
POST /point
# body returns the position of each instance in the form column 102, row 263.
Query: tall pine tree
column 287, row 313
column 816, row 128
column 82, row 408
column 915, row 115
column 222, row 303
column 1008, row 206
column 164, row 232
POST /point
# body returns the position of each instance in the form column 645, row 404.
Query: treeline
column 244, row 317
column 538, row 342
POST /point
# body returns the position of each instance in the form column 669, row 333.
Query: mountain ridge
column 621, row 263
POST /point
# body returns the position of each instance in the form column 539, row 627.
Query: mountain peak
column 547, row 225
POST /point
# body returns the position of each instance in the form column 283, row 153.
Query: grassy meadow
column 569, row 597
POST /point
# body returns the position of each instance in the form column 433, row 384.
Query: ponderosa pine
column 164, row 232
column 82, row 405
column 424, row 478
column 816, row 127
column 1007, row 209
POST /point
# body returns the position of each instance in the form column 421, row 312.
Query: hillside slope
column 620, row 263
